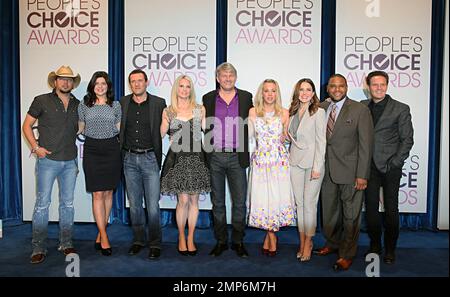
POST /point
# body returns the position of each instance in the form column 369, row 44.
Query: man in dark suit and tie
column 347, row 167
column 226, row 144
column 393, row 140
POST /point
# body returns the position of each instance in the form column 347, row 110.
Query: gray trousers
column 341, row 211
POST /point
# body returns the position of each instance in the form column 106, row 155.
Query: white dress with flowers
column 271, row 203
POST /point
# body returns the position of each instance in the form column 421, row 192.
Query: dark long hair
column 90, row 97
column 295, row 102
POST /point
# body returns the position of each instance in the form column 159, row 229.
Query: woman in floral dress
column 271, row 204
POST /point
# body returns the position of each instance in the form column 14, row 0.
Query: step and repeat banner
column 167, row 39
column 393, row 36
column 55, row 33
column 265, row 39
column 274, row 39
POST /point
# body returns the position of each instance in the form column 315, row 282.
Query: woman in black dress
column 99, row 117
column 184, row 171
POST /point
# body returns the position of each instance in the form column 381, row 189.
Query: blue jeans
column 46, row 172
column 142, row 181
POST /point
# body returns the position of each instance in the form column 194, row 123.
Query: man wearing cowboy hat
column 56, row 154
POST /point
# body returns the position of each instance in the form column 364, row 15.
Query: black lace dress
column 184, row 169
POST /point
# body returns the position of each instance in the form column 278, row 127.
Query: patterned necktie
column 331, row 120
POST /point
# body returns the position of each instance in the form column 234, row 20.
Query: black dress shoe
column 389, row 258
column 218, row 249
column 154, row 253
column 241, row 251
column 135, row 249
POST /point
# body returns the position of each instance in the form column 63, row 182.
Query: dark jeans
column 142, row 180
column 390, row 181
column 226, row 165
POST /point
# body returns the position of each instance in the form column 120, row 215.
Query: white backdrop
column 394, row 36
column 172, row 38
column 443, row 177
column 55, row 33
column 274, row 39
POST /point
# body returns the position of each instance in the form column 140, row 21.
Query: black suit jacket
column 245, row 103
column 393, row 135
column 156, row 106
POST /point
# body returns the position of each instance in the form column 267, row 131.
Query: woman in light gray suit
column 307, row 132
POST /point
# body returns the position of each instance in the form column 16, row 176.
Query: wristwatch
column 35, row 149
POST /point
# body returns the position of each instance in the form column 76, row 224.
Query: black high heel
column 183, row 253
column 98, row 246
column 107, row 251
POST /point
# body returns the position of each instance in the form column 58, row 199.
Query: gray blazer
column 308, row 151
column 349, row 149
column 393, row 135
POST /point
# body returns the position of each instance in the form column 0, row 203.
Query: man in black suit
column 140, row 140
column 393, row 141
column 226, row 144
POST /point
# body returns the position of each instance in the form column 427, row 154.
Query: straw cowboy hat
column 63, row 71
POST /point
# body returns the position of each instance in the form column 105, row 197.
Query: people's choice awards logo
column 167, row 57
column 274, row 22
column 63, row 22
column 399, row 56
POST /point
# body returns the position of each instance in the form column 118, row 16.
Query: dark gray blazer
column 393, row 137
column 349, row 149
column 156, row 106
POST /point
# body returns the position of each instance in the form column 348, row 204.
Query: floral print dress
column 271, row 203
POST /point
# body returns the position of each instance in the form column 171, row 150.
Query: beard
column 65, row 91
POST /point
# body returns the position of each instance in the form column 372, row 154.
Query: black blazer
column 156, row 106
column 393, row 138
column 245, row 103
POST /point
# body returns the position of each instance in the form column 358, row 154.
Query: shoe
column 98, row 246
column 342, row 264
column 68, row 251
column 323, row 251
column 154, row 253
column 241, row 251
column 134, row 249
column 38, row 258
column 192, row 253
column 218, row 249
column 307, row 256
column 264, row 250
column 299, row 254
column 389, row 258
column 107, row 251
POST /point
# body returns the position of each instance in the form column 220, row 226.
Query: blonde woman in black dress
column 99, row 121
column 184, row 172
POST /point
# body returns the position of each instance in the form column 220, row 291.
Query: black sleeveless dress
column 185, row 169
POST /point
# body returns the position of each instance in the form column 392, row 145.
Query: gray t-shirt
column 100, row 120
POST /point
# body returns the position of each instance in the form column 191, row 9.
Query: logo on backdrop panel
column 165, row 57
column 274, row 22
column 62, row 22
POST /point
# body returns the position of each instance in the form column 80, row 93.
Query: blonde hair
column 174, row 97
column 259, row 101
